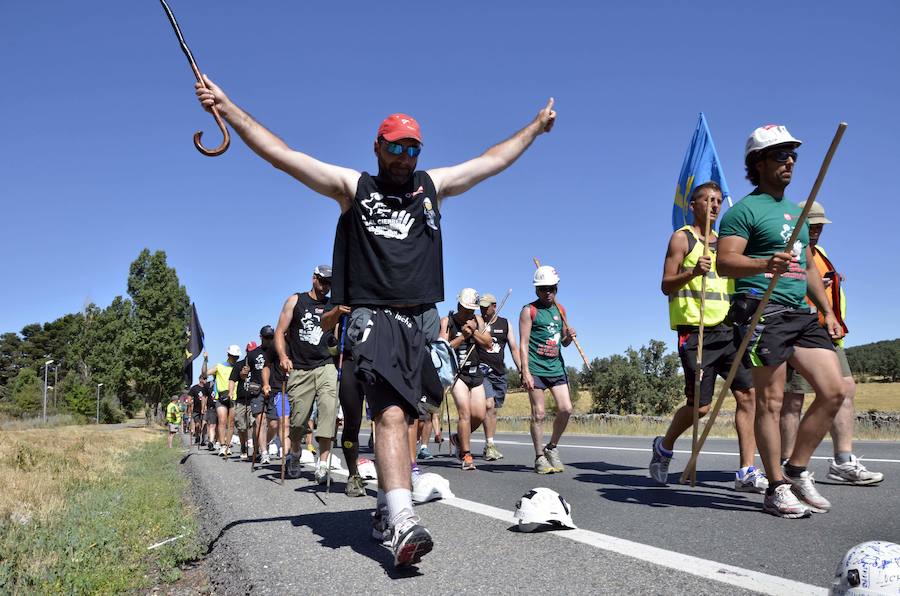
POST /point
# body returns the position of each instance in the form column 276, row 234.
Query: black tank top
column 470, row 366
column 387, row 246
column 306, row 338
column 494, row 356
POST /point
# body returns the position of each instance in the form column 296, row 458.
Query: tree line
column 134, row 347
column 878, row 359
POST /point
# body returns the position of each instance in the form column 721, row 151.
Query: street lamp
column 99, row 385
column 46, row 364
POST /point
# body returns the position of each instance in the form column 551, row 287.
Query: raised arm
column 673, row 277
column 458, row 179
column 336, row 182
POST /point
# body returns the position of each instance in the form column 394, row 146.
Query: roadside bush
column 642, row 382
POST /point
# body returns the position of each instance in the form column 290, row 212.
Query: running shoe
column 467, row 462
column 292, row 466
column 217, row 446
column 491, row 453
column 552, row 456
column 853, row 472
column 659, row 463
column 804, row 486
column 244, row 456
column 223, row 452
column 424, row 454
column 410, row 542
column 356, row 486
column 228, row 451
column 542, row 465
column 321, row 473
column 784, row 503
column 753, row 481
column 265, row 458
column 381, row 530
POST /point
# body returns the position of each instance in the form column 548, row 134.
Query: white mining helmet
column 542, row 508
column 430, row 487
column 545, row 275
column 868, row 568
column 769, row 136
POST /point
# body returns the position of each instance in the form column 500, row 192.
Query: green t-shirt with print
column 767, row 224
column 544, row 357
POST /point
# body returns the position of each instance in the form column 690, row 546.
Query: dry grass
column 39, row 465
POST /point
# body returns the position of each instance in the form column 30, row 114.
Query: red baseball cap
column 251, row 346
column 400, row 126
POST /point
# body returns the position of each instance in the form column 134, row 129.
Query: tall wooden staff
column 698, row 376
column 282, row 428
column 692, row 464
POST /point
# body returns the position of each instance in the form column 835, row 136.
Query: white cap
column 545, row 275
column 468, row 298
column 323, row 271
column 769, row 136
column 234, row 350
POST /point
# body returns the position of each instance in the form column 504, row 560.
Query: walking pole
column 565, row 321
column 765, row 300
column 282, row 428
column 337, row 393
column 698, row 377
column 248, row 417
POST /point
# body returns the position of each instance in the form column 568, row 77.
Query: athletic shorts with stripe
column 719, row 351
column 780, row 330
column 318, row 385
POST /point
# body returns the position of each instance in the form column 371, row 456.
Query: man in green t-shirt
column 752, row 239
column 543, row 330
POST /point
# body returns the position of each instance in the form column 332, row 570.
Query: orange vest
column 834, row 294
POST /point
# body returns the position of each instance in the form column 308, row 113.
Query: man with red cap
column 388, row 267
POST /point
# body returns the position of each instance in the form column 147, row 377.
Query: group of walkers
column 382, row 326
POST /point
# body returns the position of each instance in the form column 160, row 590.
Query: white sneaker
column 265, row 458
column 216, row 446
column 804, row 486
column 784, row 503
column 410, row 542
column 321, row 473
column 754, row 481
column 659, row 463
column 853, row 472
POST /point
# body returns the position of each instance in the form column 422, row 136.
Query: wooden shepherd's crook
column 565, row 321
column 698, row 375
column 692, row 464
column 187, row 52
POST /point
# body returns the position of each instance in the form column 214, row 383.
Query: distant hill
column 881, row 358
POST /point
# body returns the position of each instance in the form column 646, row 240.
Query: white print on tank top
column 310, row 329
column 381, row 220
column 495, row 345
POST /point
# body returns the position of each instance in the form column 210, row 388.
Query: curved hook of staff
column 226, row 138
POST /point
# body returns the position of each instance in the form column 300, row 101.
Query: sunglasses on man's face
column 546, row 288
column 399, row 149
column 781, row 155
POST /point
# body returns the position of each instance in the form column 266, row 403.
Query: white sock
column 490, row 440
column 400, row 505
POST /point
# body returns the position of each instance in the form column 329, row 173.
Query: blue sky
column 97, row 160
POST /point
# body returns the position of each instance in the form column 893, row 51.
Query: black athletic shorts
column 780, row 330
column 224, row 402
column 719, row 351
column 210, row 416
column 260, row 403
column 472, row 381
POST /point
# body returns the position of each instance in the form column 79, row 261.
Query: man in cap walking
column 845, row 468
column 388, row 259
column 493, row 367
column 224, row 404
column 752, row 240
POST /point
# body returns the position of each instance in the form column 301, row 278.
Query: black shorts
column 224, row 402
column 780, row 330
column 719, row 351
column 210, row 416
column 261, row 403
column 472, row 381
column 542, row 382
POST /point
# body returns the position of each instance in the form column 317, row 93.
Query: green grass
column 97, row 541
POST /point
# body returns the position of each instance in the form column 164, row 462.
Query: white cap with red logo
column 769, row 136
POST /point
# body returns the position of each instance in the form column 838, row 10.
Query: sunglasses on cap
column 399, row 149
column 546, row 288
column 323, row 280
column 781, row 155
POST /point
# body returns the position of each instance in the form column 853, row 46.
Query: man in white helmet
column 845, row 468
column 464, row 329
column 224, row 403
column 752, row 241
column 543, row 330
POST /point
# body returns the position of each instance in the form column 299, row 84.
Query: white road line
column 647, row 449
column 711, row 570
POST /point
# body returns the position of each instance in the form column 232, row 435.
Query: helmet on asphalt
column 545, row 275
column 429, row 487
column 868, row 568
column 366, row 469
column 769, row 136
column 542, row 507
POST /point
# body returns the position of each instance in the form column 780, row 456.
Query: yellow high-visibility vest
column 684, row 305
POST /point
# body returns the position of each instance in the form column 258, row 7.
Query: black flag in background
column 194, row 345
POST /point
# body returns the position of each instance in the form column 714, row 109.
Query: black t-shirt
column 306, row 338
column 241, row 393
column 493, row 357
column 256, row 360
column 276, row 375
column 387, row 246
column 198, row 393
column 470, row 365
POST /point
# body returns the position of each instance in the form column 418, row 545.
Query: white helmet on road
column 868, row 568
column 541, row 507
column 429, row 487
column 545, row 275
column 769, row 136
column 366, row 469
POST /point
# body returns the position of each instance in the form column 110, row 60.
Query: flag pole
column 692, row 464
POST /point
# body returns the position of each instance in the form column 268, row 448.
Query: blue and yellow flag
column 701, row 164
